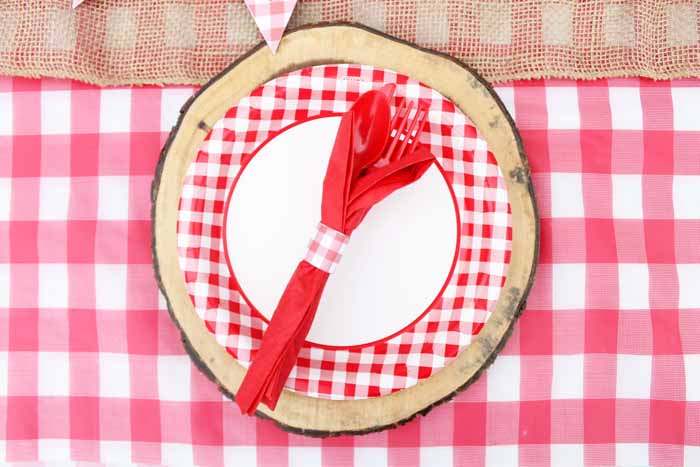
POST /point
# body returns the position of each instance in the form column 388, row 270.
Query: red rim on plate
column 463, row 305
column 246, row 159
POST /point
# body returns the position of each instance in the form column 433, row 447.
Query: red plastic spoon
column 371, row 126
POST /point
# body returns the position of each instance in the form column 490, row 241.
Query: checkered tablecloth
column 603, row 367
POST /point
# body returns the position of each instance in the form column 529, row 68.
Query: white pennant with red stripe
column 272, row 17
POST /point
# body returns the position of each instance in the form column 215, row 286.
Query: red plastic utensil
column 370, row 128
column 409, row 129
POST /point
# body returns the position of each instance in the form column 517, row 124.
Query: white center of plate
column 392, row 270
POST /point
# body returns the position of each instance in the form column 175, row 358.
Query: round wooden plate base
column 346, row 43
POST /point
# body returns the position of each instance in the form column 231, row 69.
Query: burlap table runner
column 168, row 41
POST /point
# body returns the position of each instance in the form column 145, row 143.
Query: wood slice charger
column 328, row 44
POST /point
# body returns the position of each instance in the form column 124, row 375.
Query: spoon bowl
column 371, row 127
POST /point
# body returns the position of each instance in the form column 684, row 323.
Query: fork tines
column 406, row 129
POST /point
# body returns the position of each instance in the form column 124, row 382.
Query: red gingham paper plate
column 455, row 317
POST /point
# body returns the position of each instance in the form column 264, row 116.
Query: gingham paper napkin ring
column 326, row 248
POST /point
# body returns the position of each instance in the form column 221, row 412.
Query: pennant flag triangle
column 272, row 17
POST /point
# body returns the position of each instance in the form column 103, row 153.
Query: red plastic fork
column 409, row 128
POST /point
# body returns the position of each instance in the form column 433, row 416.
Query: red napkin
column 347, row 197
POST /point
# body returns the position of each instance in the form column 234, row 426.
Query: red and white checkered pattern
column 93, row 370
column 453, row 319
column 272, row 17
column 326, row 248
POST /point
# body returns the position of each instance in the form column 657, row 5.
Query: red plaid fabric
column 272, row 17
column 603, row 368
column 449, row 325
column 326, row 248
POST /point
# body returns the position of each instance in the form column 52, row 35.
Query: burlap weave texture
column 168, row 41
